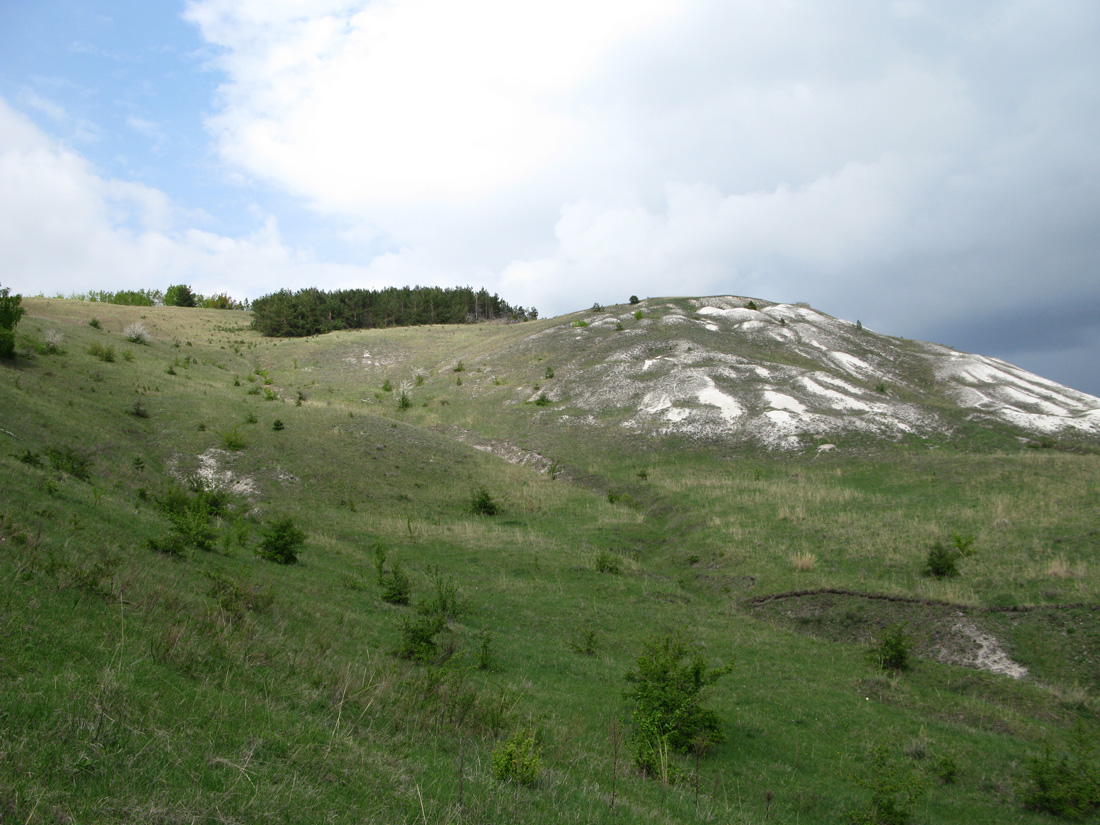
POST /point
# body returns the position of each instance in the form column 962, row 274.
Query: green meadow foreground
column 484, row 560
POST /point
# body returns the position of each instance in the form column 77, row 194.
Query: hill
column 664, row 476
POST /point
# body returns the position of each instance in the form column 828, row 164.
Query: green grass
column 215, row 686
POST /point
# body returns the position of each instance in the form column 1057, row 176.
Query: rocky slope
column 786, row 376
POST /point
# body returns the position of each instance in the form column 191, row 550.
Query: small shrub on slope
column 670, row 682
column 281, row 542
column 517, row 759
column 941, row 562
column 1066, row 783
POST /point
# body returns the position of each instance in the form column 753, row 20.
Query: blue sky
column 929, row 168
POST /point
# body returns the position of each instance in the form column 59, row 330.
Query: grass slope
column 215, row 686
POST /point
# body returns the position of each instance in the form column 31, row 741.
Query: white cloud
column 364, row 105
column 64, row 228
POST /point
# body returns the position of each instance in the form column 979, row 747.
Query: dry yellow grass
column 803, row 562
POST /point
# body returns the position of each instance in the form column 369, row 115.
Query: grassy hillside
column 155, row 668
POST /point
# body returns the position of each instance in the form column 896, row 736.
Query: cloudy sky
column 929, row 168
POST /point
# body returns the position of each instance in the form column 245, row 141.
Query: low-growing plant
column 395, row 584
column 517, row 759
column 250, row 418
column 137, row 408
column 964, row 544
column 803, row 562
column 543, row 400
column 94, row 323
column 277, row 425
column 608, row 562
column 892, row 650
column 418, row 638
column 586, row 641
column 443, row 599
column 895, row 789
column 941, row 562
column 71, row 461
column 549, row 372
column 638, row 315
column 103, row 353
column 1063, row 782
column 54, row 339
column 484, row 504
column 485, row 651
column 579, row 323
column 136, row 333
column 670, row 682
column 237, row 598
column 233, row 440
column 387, row 386
column 281, row 542
column 31, row 458
column 403, row 401
column 459, row 367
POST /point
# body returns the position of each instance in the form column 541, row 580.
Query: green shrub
column 1064, row 783
column 607, row 562
column 633, row 299
column 579, row 323
column 237, row 598
column 68, row 460
column 941, row 562
column 485, row 651
column 549, row 372
column 403, row 401
column 638, row 315
column 137, row 409
column 484, row 504
column 670, row 682
column 444, row 600
column 94, row 324
column 277, row 424
column 418, row 638
column 586, row 641
column 103, row 353
column 281, row 542
column 895, row 789
column 233, row 440
column 892, row 650
column 518, row 759
column 396, row 585
column 10, row 313
column 387, row 386
column 460, row 367
column 543, row 400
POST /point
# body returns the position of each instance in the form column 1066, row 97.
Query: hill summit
column 787, row 376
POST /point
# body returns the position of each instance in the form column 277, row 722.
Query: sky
column 931, row 169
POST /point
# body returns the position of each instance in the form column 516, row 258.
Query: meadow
column 155, row 667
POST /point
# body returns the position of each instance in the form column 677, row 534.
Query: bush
column 484, row 504
column 136, row 334
column 444, row 601
column 894, row 789
column 70, row 461
column 941, row 562
column 638, row 315
column 633, row 299
column 892, row 650
column 396, row 585
column 418, row 642
column 1065, row 784
column 670, row 683
column 281, row 542
column 10, row 313
column 517, row 759
column 608, row 563
column 103, row 353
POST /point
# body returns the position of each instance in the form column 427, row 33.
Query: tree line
column 312, row 311
column 177, row 295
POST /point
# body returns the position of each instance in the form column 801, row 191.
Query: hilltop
column 769, row 481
